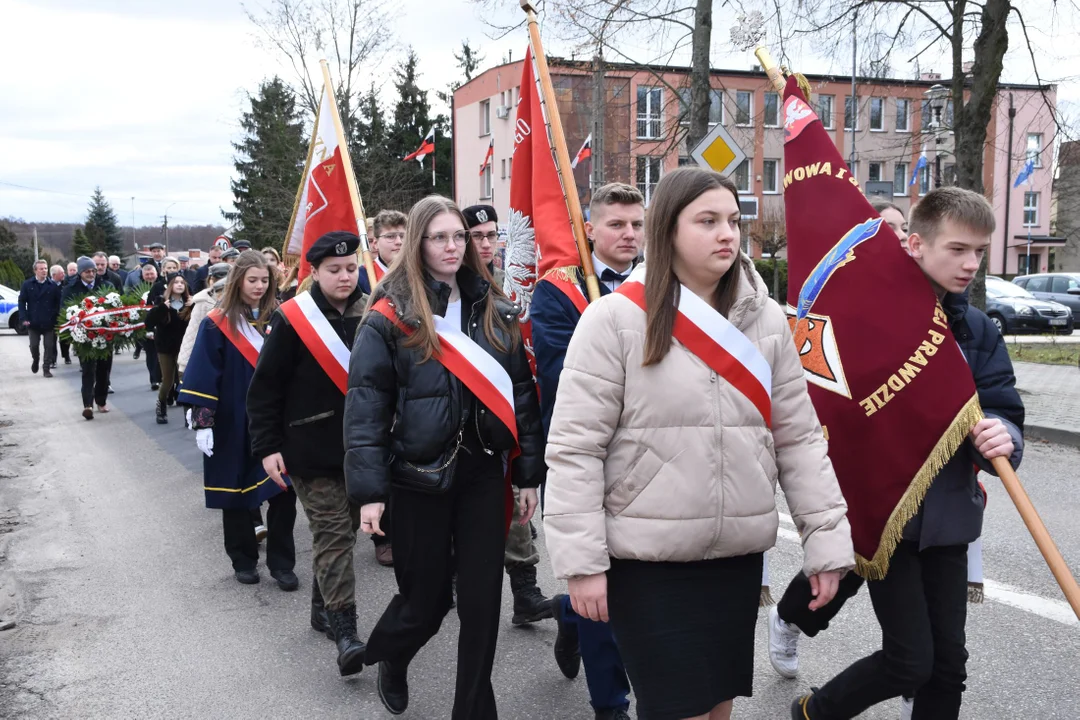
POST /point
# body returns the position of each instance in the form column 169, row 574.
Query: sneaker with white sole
column 783, row 645
column 907, row 706
column 260, row 533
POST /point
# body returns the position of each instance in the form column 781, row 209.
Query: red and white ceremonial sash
column 570, row 289
column 470, row 364
column 380, row 269
column 248, row 341
column 319, row 337
column 716, row 342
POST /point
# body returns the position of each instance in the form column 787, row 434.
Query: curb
column 1052, row 434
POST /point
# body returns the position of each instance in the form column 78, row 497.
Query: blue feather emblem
column 841, row 254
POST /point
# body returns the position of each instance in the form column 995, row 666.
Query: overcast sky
column 143, row 97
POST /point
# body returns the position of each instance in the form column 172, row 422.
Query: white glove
column 205, row 440
column 187, row 416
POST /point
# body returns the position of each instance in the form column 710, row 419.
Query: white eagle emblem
column 341, row 249
column 481, row 216
column 796, row 111
column 520, row 261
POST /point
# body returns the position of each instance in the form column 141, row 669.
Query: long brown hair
column 169, row 280
column 407, row 285
column 232, row 298
column 675, row 191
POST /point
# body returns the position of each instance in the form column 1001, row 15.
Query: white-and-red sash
column 570, row 289
column 319, row 337
column 380, row 269
column 248, row 341
column 470, row 364
column 716, row 342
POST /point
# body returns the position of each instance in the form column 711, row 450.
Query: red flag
column 427, row 146
column 890, row 385
column 487, row 158
column 539, row 236
column 584, row 153
column 324, row 203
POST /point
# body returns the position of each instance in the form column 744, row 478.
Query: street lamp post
column 937, row 96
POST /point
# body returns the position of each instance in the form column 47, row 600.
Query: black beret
column 479, row 214
column 242, row 245
column 333, row 244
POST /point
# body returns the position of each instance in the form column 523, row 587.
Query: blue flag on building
column 1026, row 173
column 918, row 166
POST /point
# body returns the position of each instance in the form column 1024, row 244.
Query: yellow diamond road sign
column 718, row 151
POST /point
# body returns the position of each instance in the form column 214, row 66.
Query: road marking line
column 1056, row 610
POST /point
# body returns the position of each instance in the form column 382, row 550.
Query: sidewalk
column 1051, row 395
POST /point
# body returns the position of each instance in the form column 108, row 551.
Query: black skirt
column 685, row 631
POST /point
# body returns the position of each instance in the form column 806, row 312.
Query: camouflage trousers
column 334, row 522
column 520, row 547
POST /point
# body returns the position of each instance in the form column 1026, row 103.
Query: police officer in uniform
column 295, row 413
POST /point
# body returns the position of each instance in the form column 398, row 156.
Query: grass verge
column 1047, row 354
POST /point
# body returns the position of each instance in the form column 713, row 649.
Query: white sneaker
column 260, row 533
column 907, row 706
column 783, row 645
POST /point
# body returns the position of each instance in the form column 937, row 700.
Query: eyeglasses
column 443, row 239
column 490, row 237
column 399, row 236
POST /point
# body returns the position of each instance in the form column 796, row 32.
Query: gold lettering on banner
column 805, row 172
column 903, row 377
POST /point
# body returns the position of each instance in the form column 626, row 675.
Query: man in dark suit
column 616, row 229
column 95, row 373
column 39, row 306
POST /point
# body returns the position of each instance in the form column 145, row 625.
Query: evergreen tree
column 20, row 256
column 102, row 229
column 269, row 164
column 81, row 245
column 412, row 120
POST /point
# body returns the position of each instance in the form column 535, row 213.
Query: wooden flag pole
column 350, row 178
column 1038, row 531
column 562, row 155
column 772, row 70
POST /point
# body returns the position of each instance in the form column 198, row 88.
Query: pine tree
column 269, row 163
column 81, row 245
column 102, row 228
column 411, row 112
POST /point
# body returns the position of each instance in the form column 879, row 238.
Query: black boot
column 567, row 649
column 319, row 620
column 350, row 650
column 393, row 687
column 162, row 414
column 530, row 605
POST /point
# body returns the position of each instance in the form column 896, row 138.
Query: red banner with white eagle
column 891, row 387
column 539, row 235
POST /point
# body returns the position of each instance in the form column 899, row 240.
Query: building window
column 648, row 174
column 503, row 169
column 485, row 117
column 948, row 175
column 903, row 115
column 924, row 180
column 716, row 106
column 650, row 106
column 877, row 114
column 770, row 176
column 851, row 113
column 510, row 166
column 742, row 176
column 744, row 107
column 877, row 171
column 485, row 183
column 772, row 109
column 1034, row 148
column 1031, row 209
column 900, row 179
column 825, row 110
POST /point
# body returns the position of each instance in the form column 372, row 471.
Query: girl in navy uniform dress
column 215, row 385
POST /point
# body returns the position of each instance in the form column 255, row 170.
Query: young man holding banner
column 296, row 402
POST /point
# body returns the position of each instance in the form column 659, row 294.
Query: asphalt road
column 126, row 606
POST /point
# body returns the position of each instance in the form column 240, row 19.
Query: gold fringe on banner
column 804, row 85
column 569, row 273
column 876, row 568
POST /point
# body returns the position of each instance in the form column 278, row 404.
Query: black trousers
column 921, row 605
column 240, row 542
column 65, row 347
column 465, row 529
column 152, row 366
column 46, row 339
column 794, row 606
column 95, row 381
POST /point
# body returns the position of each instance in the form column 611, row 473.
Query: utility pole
column 134, row 247
column 36, row 255
column 596, row 172
column 165, row 230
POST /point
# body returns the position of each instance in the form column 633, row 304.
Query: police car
column 9, row 310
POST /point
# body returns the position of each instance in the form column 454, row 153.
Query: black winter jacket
column 39, row 304
column 952, row 512
column 76, row 289
column 293, row 406
column 400, row 407
column 168, row 328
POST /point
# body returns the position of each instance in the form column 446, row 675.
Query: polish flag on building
column 426, row 147
column 488, row 157
column 584, row 153
column 324, row 203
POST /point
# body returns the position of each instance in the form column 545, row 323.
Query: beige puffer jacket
column 201, row 304
column 669, row 463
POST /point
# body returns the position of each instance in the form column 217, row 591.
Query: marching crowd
column 409, row 412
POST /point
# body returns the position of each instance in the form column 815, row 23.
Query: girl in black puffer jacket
column 430, row 436
column 168, row 320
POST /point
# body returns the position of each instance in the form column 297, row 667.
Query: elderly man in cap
column 521, row 557
column 289, row 383
column 242, row 245
column 95, row 373
column 230, row 256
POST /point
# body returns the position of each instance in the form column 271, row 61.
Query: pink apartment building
column 894, row 121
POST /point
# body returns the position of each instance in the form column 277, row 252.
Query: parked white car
column 9, row 309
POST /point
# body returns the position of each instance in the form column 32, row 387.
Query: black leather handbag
column 434, row 478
